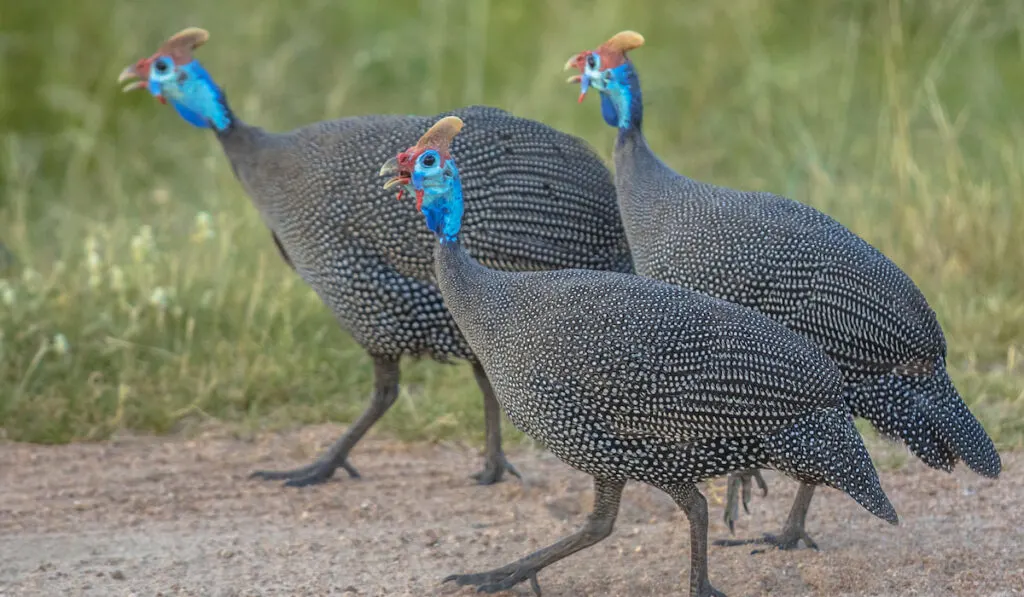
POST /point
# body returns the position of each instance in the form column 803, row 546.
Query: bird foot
column 495, row 469
column 314, row 474
column 741, row 483
column 787, row 540
column 499, row 579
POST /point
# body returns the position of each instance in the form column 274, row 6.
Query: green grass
column 129, row 310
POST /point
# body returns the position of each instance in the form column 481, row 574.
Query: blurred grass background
column 148, row 296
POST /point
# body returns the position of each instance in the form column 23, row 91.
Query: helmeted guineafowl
column 628, row 378
column 798, row 266
column 539, row 199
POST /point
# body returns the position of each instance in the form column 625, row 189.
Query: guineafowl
column 797, row 266
column 540, row 199
column 628, row 378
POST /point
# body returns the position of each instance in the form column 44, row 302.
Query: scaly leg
column 792, row 533
column 693, row 504
column 741, row 481
column 599, row 525
column 495, row 463
column 385, row 373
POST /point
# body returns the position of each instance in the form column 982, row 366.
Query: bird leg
column 693, row 504
column 737, row 482
column 792, row 533
column 598, row 526
column 495, row 464
column 385, row 372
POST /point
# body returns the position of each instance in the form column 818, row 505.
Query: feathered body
column 796, row 265
column 536, row 199
column 628, row 378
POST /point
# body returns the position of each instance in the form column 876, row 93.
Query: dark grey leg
column 599, row 525
column 737, row 482
column 385, row 373
column 495, row 463
column 792, row 533
column 693, row 504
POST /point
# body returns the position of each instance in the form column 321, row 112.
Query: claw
column 314, row 474
column 499, row 579
column 740, row 485
column 787, row 540
column 495, row 470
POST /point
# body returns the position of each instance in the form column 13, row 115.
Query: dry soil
column 177, row 516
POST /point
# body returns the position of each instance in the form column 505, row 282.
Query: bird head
column 428, row 171
column 610, row 71
column 173, row 76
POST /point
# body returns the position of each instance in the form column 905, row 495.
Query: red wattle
column 582, row 95
column 419, row 199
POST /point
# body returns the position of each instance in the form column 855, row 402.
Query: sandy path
column 179, row 517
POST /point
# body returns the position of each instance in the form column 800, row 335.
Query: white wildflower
column 142, row 244
column 30, row 277
column 203, row 227
column 116, row 279
column 95, row 262
column 6, row 294
column 158, row 298
column 60, row 344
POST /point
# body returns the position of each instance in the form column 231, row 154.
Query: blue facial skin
column 621, row 103
column 192, row 92
column 441, row 194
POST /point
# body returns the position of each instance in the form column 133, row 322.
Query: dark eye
column 160, row 66
column 428, row 160
column 591, row 61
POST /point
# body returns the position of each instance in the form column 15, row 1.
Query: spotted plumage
column 798, row 266
column 628, row 378
column 536, row 199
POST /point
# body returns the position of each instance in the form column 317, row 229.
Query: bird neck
column 199, row 100
column 464, row 284
column 640, row 189
column 621, row 100
column 442, row 207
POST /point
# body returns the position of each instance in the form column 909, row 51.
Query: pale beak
column 581, row 79
column 390, row 168
column 130, row 73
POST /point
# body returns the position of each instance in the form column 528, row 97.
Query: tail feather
column 929, row 416
column 961, row 432
column 825, row 448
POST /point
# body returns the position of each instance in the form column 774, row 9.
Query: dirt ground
column 148, row 517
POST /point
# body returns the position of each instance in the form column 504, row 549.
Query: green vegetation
column 149, row 295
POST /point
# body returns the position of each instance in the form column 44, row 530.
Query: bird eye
column 160, row 66
column 428, row 160
column 591, row 61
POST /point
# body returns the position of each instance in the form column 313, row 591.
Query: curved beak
column 391, row 168
column 575, row 62
column 131, row 73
